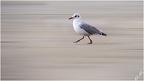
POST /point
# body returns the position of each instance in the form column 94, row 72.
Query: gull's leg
column 90, row 40
column 79, row 40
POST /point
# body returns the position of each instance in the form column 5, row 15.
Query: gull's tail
column 103, row 34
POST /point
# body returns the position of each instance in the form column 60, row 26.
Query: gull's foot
column 75, row 41
column 79, row 40
column 90, row 43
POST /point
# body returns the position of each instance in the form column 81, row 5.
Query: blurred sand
column 37, row 41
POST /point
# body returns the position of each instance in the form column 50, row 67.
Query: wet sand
column 37, row 41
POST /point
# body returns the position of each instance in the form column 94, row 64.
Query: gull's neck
column 77, row 20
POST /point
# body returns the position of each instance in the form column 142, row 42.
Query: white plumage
column 83, row 28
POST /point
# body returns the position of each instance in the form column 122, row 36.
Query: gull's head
column 75, row 16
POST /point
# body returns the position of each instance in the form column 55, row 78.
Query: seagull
column 84, row 29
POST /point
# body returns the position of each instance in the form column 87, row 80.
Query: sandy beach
column 37, row 41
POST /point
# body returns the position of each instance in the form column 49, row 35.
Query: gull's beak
column 70, row 18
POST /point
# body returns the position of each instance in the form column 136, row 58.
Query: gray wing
column 90, row 29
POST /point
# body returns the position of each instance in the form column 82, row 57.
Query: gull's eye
column 76, row 15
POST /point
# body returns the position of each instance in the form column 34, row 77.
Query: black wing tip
column 104, row 34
